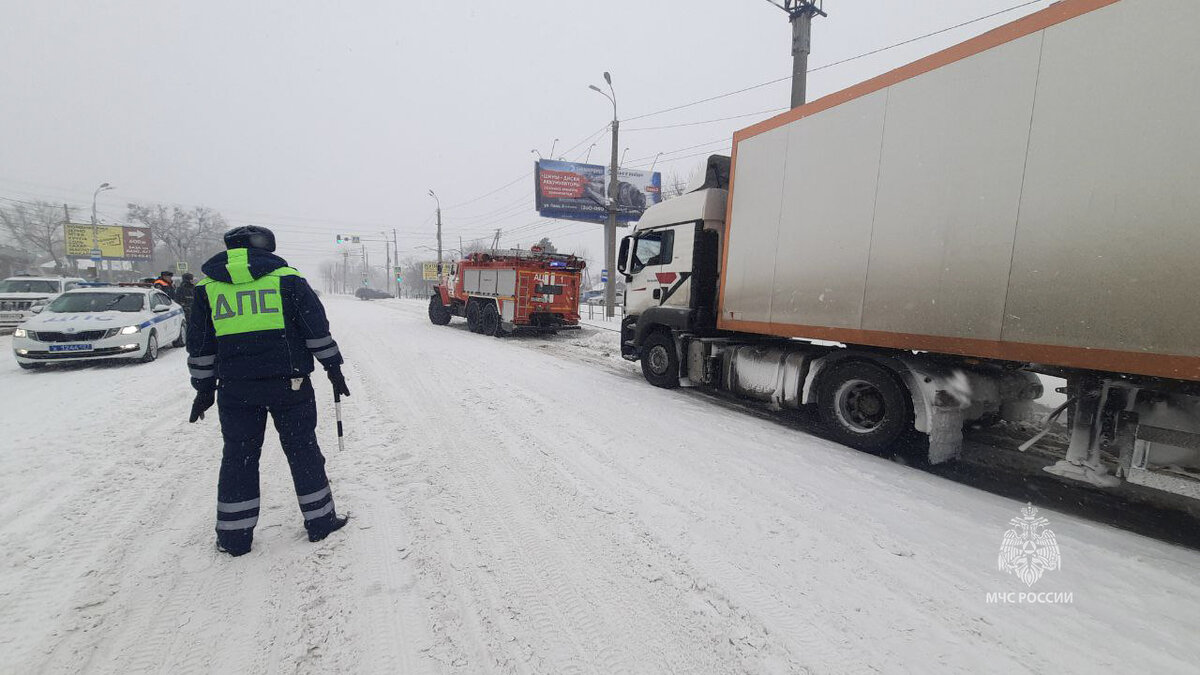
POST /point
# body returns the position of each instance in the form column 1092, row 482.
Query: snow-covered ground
column 530, row 505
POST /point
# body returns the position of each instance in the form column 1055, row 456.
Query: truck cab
column 671, row 263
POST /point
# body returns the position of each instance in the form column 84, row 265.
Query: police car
column 105, row 322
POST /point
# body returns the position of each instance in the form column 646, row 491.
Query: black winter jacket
column 262, row 354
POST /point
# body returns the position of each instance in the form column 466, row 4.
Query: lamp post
column 439, row 232
column 95, row 230
column 610, row 228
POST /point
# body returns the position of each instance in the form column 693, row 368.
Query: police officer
column 185, row 294
column 257, row 327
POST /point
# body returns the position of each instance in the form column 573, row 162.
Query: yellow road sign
column 114, row 241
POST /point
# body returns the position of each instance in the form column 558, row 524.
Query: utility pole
column 387, row 252
column 345, row 268
column 396, row 255
column 610, row 228
column 366, row 268
column 800, row 13
column 439, row 232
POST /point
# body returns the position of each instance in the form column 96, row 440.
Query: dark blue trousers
column 243, row 406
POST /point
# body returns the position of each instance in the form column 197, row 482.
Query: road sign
column 139, row 245
column 429, row 271
column 181, row 266
column 604, row 276
column 108, row 242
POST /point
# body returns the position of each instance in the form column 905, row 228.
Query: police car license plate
column 12, row 317
column 71, row 348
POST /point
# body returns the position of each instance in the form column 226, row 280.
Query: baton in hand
column 337, row 409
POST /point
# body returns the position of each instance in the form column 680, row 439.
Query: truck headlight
column 129, row 330
column 20, row 332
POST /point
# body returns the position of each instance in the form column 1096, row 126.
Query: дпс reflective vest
column 248, row 304
column 254, row 317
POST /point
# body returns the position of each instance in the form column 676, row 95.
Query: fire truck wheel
column 439, row 314
column 490, row 321
column 473, row 316
column 660, row 362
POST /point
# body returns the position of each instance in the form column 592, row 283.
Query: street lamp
column 439, row 232
column 610, row 228
column 95, row 231
column 655, row 162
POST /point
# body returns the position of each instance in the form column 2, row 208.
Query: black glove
column 338, row 380
column 203, row 401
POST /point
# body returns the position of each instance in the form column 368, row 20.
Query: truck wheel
column 489, row 321
column 439, row 314
column 660, row 362
column 864, row 406
column 151, row 348
column 473, row 316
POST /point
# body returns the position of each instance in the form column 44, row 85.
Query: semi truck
column 911, row 254
column 500, row 293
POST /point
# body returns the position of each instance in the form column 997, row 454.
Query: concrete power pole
column 345, row 268
column 801, row 13
column 610, row 227
column 387, row 254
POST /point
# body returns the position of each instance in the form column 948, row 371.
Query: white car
column 19, row 294
column 105, row 322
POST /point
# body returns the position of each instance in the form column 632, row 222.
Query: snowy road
column 531, row 506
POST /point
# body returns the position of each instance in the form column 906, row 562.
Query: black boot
column 338, row 523
column 233, row 552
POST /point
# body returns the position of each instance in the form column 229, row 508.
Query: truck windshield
column 28, row 286
column 96, row 302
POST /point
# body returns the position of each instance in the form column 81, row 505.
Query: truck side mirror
column 623, row 256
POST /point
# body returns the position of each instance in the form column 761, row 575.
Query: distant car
column 365, row 293
column 105, row 322
column 18, row 295
column 597, row 297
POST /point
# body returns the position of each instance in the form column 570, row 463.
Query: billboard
column 574, row 191
column 116, row 242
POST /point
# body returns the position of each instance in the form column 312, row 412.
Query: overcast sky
column 321, row 117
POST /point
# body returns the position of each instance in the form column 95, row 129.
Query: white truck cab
column 20, row 294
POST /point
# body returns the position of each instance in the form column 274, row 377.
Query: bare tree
column 547, row 245
column 38, row 228
column 188, row 235
column 676, row 186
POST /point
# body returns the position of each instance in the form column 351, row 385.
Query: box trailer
column 912, row 251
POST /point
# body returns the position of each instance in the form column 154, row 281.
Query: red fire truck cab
column 500, row 293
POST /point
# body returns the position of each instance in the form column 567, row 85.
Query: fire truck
column 517, row 290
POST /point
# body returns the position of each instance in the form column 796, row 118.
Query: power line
column 719, row 119
column 838, row 63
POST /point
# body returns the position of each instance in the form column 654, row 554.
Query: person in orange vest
column 166, row 283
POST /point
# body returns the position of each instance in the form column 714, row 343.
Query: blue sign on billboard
column 575, row 191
